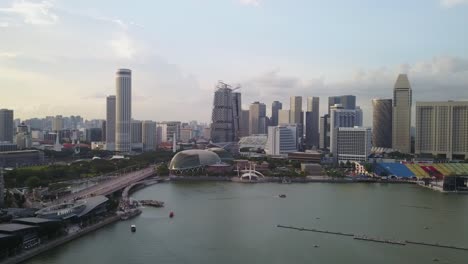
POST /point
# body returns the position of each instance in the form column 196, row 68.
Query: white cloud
column 8, row 55
column 4, row 24
column 34, row 13
column 437, row 79
column 251, row 2
column 123, row 46
column 452, row 3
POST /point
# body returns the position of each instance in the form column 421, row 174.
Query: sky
column 60, row 56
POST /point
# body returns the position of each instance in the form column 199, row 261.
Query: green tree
column 162, row 170
column 33, row 182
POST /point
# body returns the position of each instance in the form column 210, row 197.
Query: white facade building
column 442, row 129
column 123, row 126
column 161, row 133
column 282, row 139
column 353, row 143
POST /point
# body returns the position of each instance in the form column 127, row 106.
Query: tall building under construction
column 225, row 118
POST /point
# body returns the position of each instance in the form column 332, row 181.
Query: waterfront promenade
column 25, row 255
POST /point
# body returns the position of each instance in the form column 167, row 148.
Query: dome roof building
column 193, row 160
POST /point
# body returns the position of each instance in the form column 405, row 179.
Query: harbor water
column 222, row 222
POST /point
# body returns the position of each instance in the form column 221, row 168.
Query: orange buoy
column 171, row 214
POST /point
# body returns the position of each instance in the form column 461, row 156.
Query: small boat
column 171, row 214
column 282, row 195
column 133, row 228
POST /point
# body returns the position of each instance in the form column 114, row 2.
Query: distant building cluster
column 440, row 130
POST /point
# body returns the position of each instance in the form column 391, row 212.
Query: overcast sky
column 60, row 57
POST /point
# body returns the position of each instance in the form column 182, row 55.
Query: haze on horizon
column 60, row 57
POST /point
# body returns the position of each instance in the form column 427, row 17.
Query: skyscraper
column 441, row 129
column 382, row 123
column 275, row 107
column 225, row 117
column 312, row 122
column 245, row 119
column 149, row 135
column 359, row 116
column 295, row 110
column 346, row 101
column 296, row 116
column 257, row 118
column 110, row 122
column 401, row 115
column 137, row 132
column 340, row 117
column 123, row 109
column 324, row 132
column 6, row 125
column 57, row 123
column 236, row 114
column 283, row 117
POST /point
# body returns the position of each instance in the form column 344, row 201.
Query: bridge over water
column 112, row 185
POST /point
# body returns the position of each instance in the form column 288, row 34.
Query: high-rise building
column 244, row 124
column 225, row 120
column 93, row 134
column 352, row 143
column 275, row 107
column 149, row 135
column 359, row 116
column 236, row 114
column 257, row 118
column 401, row 115
column 282, row 139
column 312, row 122
column 442, row 129
column 295, row 110
column 324, row 132
column 173, row 128
column 340, row 117
column 2, row 189
column 382, row 123
column 57, row 123
column 161, row 133
column 283, row 117
column 123, row 110
column 346, row 101
column 110, row 122
column 137, row 132
column 23, row 137
column 186, row 134
column 6, row 125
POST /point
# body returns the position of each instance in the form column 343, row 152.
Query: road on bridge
column 110, row 186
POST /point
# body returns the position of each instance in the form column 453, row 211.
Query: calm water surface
column 236, row 223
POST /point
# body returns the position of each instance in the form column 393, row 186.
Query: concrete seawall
column 25, row 255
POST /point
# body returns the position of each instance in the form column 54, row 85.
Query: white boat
column 133, row 228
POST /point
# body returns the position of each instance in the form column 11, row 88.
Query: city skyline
column 276, row 69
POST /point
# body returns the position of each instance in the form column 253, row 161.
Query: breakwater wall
column 377, row 240
column 25, row 255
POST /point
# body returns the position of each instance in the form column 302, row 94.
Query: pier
column 376, row 240
column 152, row 203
